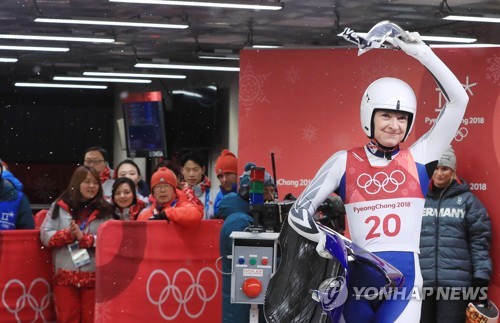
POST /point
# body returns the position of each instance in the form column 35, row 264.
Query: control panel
column 254, row 261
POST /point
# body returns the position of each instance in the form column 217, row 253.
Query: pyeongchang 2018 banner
column 25, row 278
column 303, row 105
column 156, row 271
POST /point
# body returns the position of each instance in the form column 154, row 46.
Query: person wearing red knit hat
column 226, row 169
column 171, row 203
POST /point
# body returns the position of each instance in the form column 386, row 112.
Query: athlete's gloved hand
column 320, row 248
column 414, row 47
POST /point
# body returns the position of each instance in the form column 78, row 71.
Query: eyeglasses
column 93, row 161
column 162, row 187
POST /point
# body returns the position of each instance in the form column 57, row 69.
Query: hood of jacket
column 7, row 190
column 232, row 203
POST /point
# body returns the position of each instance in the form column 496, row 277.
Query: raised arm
column 430, row 146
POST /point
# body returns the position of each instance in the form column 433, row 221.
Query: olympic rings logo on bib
column 381, row 181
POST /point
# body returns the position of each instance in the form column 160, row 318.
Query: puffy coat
column 455, row 238
column 181, row 211
column 236, row 214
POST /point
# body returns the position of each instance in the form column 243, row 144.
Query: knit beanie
column 226, row 163
column 448, row 159
column 245, row 177
column 163, row 176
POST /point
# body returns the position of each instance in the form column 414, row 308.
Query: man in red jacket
column 171, row 204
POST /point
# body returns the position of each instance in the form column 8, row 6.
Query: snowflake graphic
column 309, row 133
column 292, row 75
column 351, row 170
column 104, row 312
column 251, row 88
column 413, row 185
column 45, row 188
column 493, row 69
column 404, row 192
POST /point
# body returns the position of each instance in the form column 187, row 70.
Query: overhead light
column 58, row 38
column 473, row 18
column 7, row 60
column 95, row 79
column 110, row 23
column 60, row 85
column 116, row 74
column 212, row 4
column 266, row 46
column 219, row 55
column 189, row 67
column 35, row 48
column 463, row 45
column 445, row 39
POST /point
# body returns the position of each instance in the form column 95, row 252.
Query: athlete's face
column 390, row 127
column 442, row 176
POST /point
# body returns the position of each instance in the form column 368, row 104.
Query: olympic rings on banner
column 27, row 298
column 461, row 134
column 373, row 185
column 172, row 290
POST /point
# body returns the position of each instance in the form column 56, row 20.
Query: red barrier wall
column 147, row 271
column 25, row 278
column 158, row 272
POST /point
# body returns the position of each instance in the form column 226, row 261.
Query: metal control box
column 254, row 261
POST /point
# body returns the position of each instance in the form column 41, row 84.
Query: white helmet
column 387, row 93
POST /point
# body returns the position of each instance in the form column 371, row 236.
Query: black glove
column 482, row 284
column 332, row 208
column 160, row 216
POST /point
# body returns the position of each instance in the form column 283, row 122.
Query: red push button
column 265, row 261
column 252, row 287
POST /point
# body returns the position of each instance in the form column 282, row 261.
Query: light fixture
column 188, row 67
column 212, row 4
column 95, row 79
column 35, row 48
column 58, row 38
column 7, row 60
column 61, row 85
column 118, row 74
column 463, row 45
column 473, row 18
column 445, row 39
column 219, row 54
column 263, row 46
column 110, row 23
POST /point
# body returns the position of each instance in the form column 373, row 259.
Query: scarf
column 104, row 175
column 136, row 209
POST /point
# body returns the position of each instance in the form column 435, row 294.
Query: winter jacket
column 55, row 234
column 181, row 211
column 218, row 199
column 454, row 246
column 15, row 201
column 11, row 178
column 236, row 214
column 129, row 213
